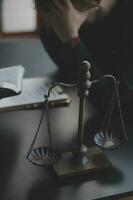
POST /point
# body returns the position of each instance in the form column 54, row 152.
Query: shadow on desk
column 50, row 188
column 8, row 151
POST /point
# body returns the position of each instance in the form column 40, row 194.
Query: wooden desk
column 20, row 180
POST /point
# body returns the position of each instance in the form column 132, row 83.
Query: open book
column 32, row 95
column 11, row 81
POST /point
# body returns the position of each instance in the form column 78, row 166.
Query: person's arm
column 65, row 21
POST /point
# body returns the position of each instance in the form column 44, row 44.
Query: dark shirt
column 106, row 44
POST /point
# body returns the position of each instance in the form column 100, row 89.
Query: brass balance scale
column 81, row 159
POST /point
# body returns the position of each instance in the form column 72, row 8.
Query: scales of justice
column 81, row 160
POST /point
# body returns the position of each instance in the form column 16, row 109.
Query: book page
column 11, row 77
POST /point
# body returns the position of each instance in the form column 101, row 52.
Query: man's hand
column 64, row 19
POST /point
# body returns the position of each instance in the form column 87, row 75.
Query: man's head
column 96, row 8
column 79, row 5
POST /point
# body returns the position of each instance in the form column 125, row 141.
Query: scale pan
column 44, row 156
column 107, row 141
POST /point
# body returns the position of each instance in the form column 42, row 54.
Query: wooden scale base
column 66, row 167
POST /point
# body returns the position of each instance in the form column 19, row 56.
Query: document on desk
column 32, row 96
